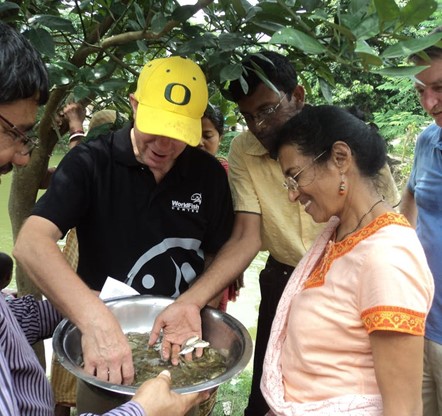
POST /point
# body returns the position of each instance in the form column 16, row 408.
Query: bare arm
column 214, row 302
column 75, row 114
column 181, row 320
column 408, row 207
column 233, row 258
column 106, row 351
column 398, row 362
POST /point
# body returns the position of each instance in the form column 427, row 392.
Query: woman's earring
column 342, row 185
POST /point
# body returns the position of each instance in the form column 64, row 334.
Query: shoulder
column 199, row 161
column 396, row 247
column 431, row 135
column 106, row 149
column 243, row 140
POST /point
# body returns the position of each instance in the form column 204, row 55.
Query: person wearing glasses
column 24, row 388
column 348, row 333
column 264, row 218
column 21, row 94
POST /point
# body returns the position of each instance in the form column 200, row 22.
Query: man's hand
column 106, row 352
column 75, row 114
column 157, row 399
column 179, row 322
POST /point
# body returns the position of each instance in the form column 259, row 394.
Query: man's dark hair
column 271, row 65
column 433, row 52
column 22, row 71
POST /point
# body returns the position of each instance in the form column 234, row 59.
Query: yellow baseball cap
column 172, row 96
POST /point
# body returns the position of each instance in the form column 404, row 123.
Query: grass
column 233, row 396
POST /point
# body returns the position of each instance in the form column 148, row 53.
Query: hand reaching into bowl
column 178, row 322
column 156, row 397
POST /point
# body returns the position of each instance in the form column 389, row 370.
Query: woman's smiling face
column 317, row 184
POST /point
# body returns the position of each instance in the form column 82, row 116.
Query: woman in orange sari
column 347, row 338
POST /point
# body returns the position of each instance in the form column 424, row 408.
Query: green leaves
column 42, row 40
column 230, row 41
column 387, row 10
column 182, row 13
column 80, row 92
column 112, row 85
column 318, row 36
column 54, row 23
column 411, row 46
column 8, row 6
column 415, row 11
column 400, row 71
column 230, row 72
column 158, row 23
column 298, row 39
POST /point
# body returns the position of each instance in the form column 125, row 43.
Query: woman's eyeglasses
column 291, row 183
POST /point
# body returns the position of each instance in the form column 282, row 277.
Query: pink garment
column 325, row 366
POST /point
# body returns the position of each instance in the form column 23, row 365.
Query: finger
column 90, row 368
column 114, row 376
column 199, row 352
column 192, row 399
column 103, row 373
column 175, row 359
column 204, row 395
column 154, row 333
column 165, row 350
column 188, row 356
column 128, row 373
column 165, row 375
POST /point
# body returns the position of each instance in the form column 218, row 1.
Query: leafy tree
column 95, row 48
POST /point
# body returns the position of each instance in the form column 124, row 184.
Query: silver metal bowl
column 137, row 314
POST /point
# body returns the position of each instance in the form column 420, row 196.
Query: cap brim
column 165, row 123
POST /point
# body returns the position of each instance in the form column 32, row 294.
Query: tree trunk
column 24, row 188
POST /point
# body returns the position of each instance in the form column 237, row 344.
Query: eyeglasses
column 28, row 141
column 291, row 183
column 262, row 115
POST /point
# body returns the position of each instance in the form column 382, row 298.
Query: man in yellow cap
column 150, row 208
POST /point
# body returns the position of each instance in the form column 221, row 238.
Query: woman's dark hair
column 6, row 266
column 275, row 67
column 215, row 115
column 315, row 129
column 22, row 71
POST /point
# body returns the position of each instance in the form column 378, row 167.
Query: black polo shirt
column 153, row 236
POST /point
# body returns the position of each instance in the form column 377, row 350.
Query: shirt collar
column 255, row 147
column 122, row 147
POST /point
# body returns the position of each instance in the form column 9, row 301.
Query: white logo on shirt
column 192, row 206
